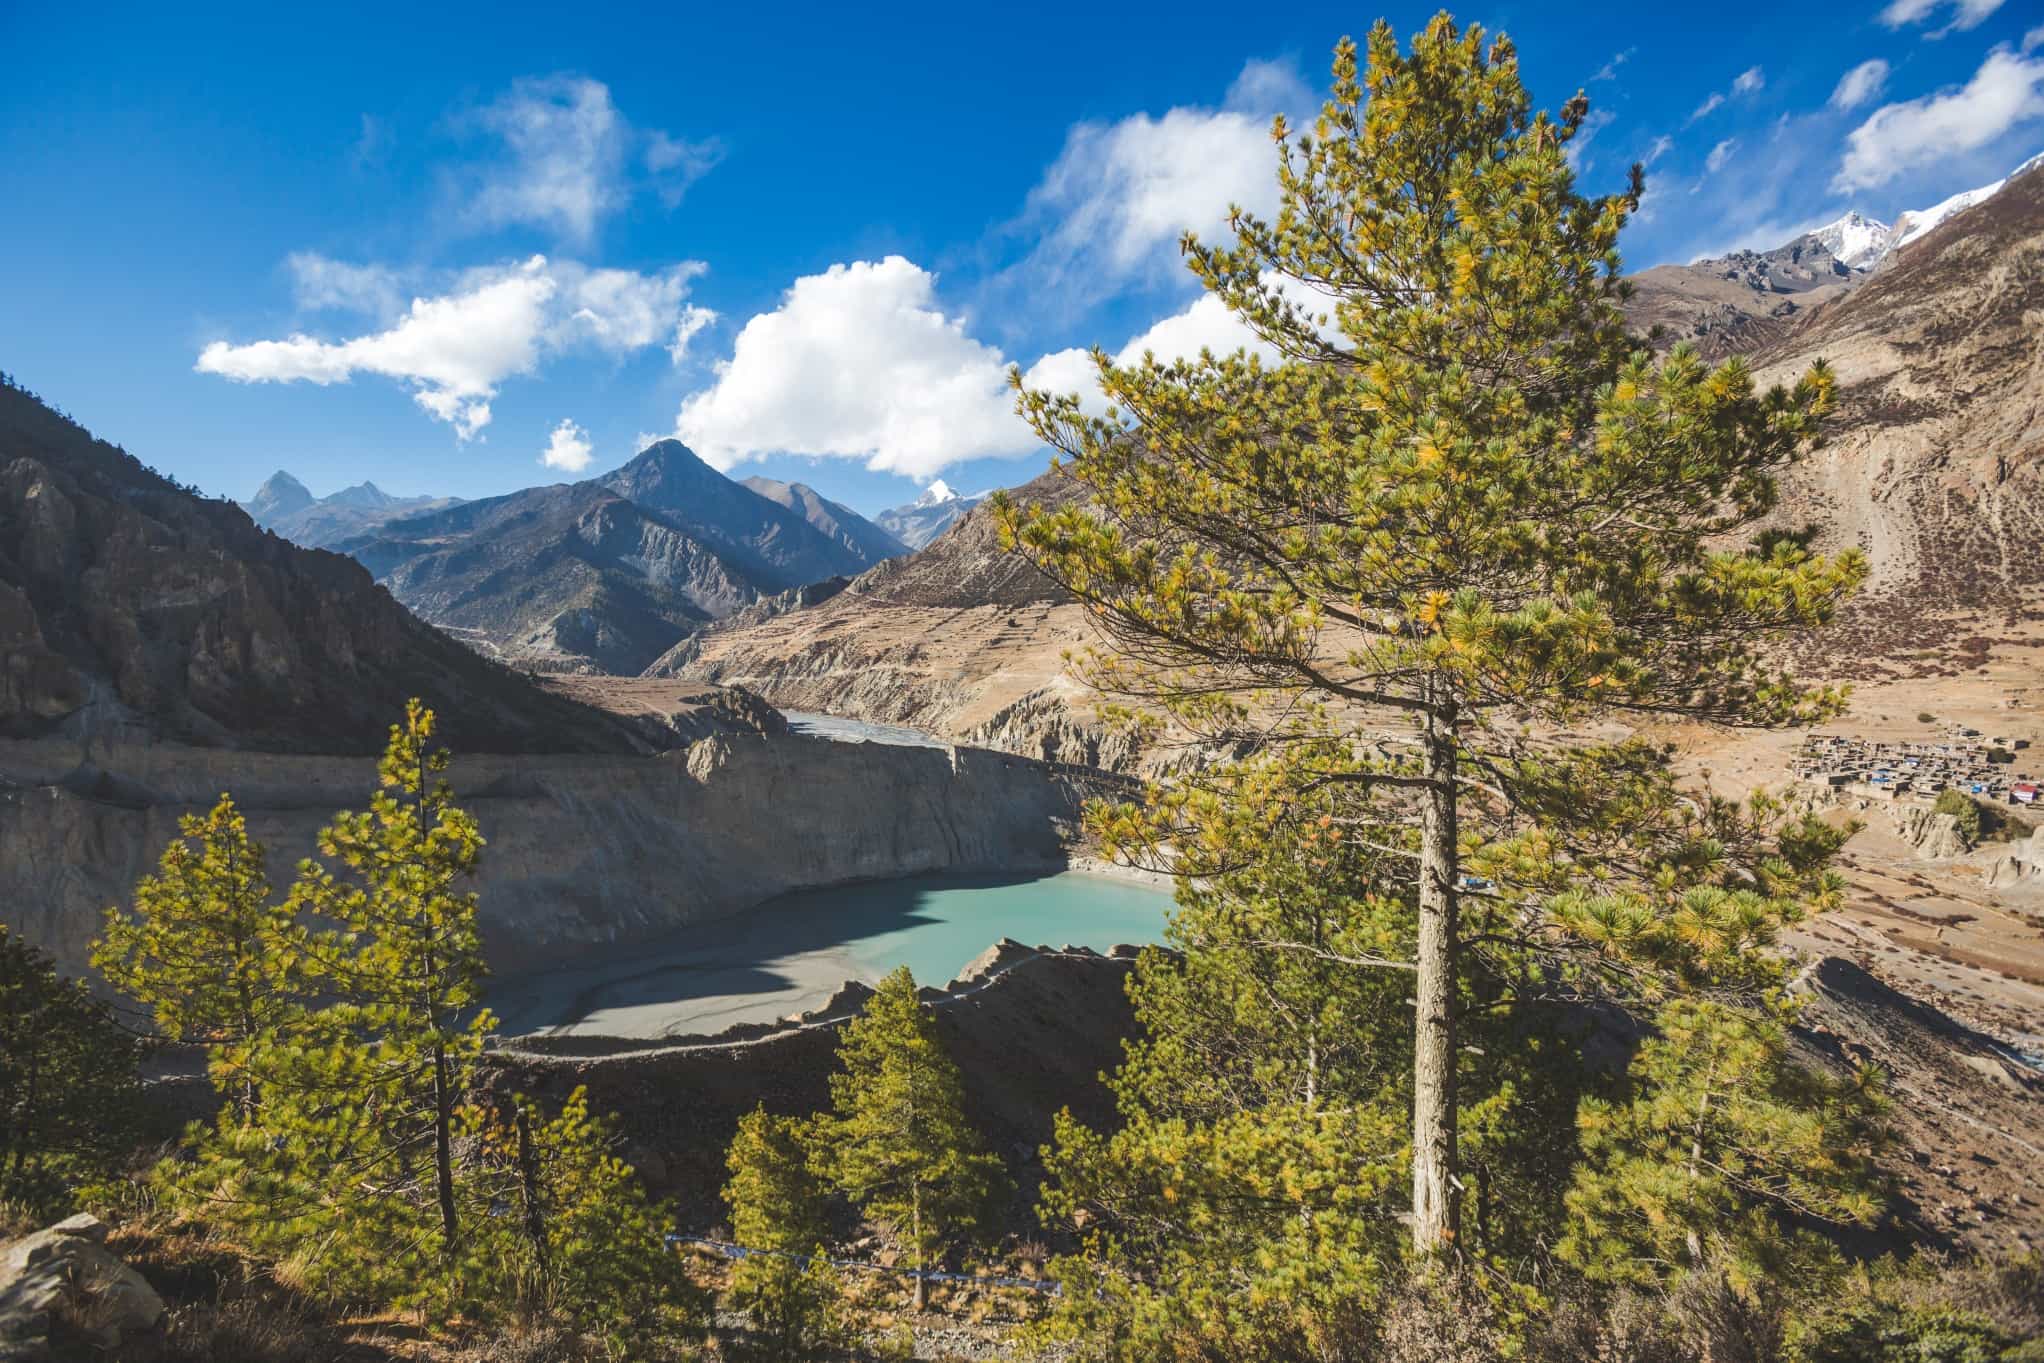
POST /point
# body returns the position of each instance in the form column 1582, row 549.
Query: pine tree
column 207, row 950
column 68, row 1082
column 565, row 1229
column 786, row 1287
column 1462, row 512
column 898, row 1144
column 411, row 961
column 1722, row 1146
column 350, row 1173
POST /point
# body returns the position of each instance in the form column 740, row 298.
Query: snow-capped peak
column 1917, row 222
column 935, row 494
column 1855, row 240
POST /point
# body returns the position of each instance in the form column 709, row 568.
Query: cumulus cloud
column 455, row 347
column 1965, row 14
column 1862, row 83
column 1658, row 148
column 859, row 362
column 1720, row 154
column 1748, row 81
column 568, row 449
column 1113, row 205
column 2007, row 90
column 1709, row 106
column 569, row 159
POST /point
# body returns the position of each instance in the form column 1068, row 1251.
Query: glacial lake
column 792, row 953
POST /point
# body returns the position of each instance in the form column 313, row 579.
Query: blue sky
column 435, row 247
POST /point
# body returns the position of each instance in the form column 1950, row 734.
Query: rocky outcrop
column 131, row 607
column 583, row 852
column 1932, row 834
column 63, row 1294
column 857, row 535
column 1737, row 303
column 2021, row 863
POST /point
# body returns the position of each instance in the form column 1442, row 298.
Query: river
column 793, row 953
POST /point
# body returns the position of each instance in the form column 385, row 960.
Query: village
column 1965, row 761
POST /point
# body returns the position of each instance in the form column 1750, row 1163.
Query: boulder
column 60, row 1288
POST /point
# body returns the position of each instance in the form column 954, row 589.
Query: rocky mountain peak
column 280, row 495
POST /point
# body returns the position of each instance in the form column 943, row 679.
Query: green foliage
column 1720, row 1144
column 566, row 1231
column 898, row 1144
column 68, row 1085
column 1964, row 810
column 778, row 1207
column 1919, row 1312
column 208, row 952
column 1462, row 513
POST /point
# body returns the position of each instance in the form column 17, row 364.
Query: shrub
column 1963, row 810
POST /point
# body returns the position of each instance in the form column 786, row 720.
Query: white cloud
column 1748, row 81
column 569, row 159
column 693, row 319
column 568, row 449
column 858, row 362
column 2033, row 40
column 1720, row 154
column 1862, row 83
column 1660, row 147
column 1708, row 106
column 1207, row 324
column 1113, row 205
column 2007, row 90
column 1966, row 14
column 455, row 347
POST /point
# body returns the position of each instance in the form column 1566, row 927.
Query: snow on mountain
column 929, row 515
column 1855, row 240
column 1917, row 222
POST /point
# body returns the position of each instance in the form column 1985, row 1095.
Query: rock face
column 130, row 605
column 568, row 578
column 1934, row 463
column 60, row 1291
column 583, row 851
column 774, row 545
column 1737, row 303
column 842, row 524
column 1932, row 834
column 2021, row 863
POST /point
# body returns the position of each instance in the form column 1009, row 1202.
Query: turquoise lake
column 792, row 953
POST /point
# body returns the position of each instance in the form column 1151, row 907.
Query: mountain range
column 1740, row 302
column 605, row 575
column 284, row 505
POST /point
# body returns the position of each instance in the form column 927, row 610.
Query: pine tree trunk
column 921, row 1288
column 1435, row 1200
column 443, row 1151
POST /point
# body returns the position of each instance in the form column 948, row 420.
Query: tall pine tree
column 1459, row 512
column 898, row 1143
